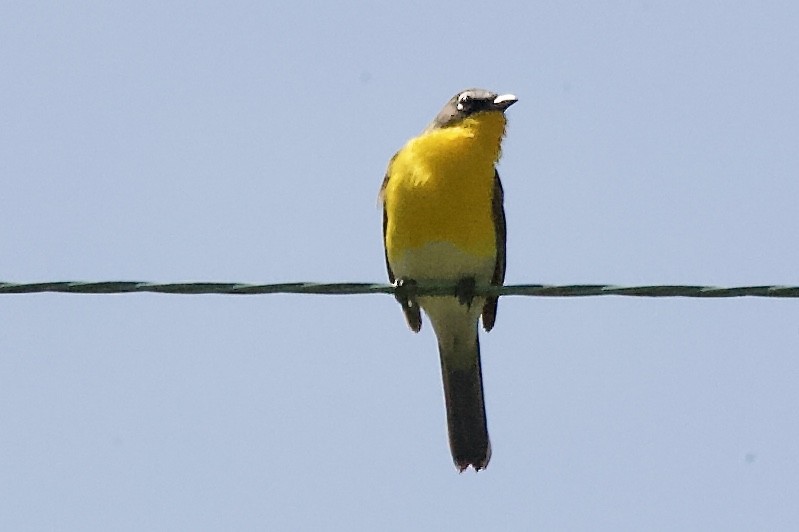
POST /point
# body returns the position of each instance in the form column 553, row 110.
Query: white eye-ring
column 462, row 99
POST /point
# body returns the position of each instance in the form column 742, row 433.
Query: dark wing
column 498, row 211
column 413, row 314
column 385, row 220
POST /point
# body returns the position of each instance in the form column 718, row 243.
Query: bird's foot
column 405, row 294
column 465, row 291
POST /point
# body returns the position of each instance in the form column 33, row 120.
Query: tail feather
column 466, row 415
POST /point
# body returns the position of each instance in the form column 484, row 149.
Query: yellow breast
column 440, row 188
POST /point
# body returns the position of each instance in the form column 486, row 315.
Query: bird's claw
column 465, row 291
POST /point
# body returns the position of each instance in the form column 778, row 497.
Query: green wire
column 540, row 290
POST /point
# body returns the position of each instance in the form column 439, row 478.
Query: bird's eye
column 463, row 101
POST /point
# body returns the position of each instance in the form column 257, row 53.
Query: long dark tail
column 466, row 412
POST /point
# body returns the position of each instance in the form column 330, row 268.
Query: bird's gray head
column 470, row 102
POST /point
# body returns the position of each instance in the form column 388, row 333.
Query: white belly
column 441, row 261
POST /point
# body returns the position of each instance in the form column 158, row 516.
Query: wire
column 540, row 290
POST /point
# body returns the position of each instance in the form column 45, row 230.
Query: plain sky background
column 653, row 143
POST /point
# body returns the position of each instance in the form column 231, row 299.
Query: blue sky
column 653, row 143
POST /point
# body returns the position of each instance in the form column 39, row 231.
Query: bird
column 444, row 221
